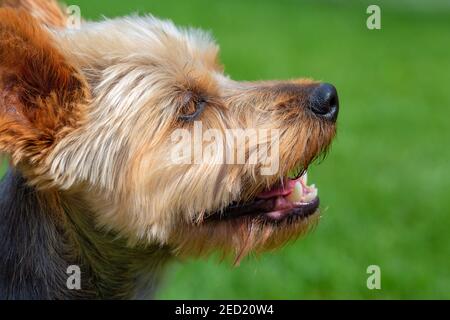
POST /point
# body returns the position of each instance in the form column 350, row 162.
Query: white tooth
column 310, row 196
column 297, row 193
column 305, row 178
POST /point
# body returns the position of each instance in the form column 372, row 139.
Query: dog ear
column 48, row 12
column 41, row 93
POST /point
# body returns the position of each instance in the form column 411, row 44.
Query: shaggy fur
column 86, row 118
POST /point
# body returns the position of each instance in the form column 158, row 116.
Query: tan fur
column 116, row 154
column 48, row 12
column 42, row 94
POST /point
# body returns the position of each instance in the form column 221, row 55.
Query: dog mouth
column 289, row 200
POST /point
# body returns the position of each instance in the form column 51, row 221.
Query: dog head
column 138, row 118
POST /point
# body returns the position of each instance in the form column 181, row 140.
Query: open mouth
column 291, row 199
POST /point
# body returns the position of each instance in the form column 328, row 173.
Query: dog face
column 143, row 90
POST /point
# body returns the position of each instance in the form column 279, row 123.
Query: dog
column 87, row 120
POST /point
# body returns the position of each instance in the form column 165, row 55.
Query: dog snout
column 324, row 102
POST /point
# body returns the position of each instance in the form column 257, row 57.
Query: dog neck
column 42, row 234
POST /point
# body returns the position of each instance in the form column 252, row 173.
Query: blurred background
column 385, row 185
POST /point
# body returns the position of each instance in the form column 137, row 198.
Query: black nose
column 324, row 102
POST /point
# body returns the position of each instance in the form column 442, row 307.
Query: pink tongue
column 286, row 189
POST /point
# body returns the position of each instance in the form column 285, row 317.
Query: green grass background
column 385, row 185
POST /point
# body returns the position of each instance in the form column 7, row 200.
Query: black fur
column 38, row 241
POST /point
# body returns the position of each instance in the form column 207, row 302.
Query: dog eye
column 192, row 110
